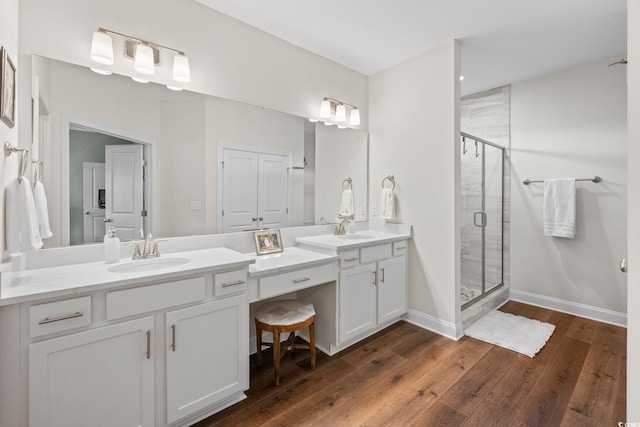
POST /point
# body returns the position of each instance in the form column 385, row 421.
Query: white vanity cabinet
column 373, row 293
column 100, row 377
column 207, row 353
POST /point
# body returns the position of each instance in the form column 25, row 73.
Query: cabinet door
column 207, row 355
column 357, row 301
column 392, row 289
column 102, row 377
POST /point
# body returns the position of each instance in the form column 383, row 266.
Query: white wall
column 633, row 276
column 414, row 128
column 228, row 59
column 571, row 124
column 9, row 40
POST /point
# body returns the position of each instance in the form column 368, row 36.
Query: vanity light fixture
column 145, row 55
column 330, row 106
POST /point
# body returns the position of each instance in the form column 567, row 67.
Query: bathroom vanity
column 166, row 341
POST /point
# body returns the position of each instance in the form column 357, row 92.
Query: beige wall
column 571, row 124
column 414, row 136
column 633, row 232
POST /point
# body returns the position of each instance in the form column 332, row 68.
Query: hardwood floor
column 405, row 375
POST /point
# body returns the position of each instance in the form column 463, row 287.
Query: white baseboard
column 433, row 324
column 577, row 309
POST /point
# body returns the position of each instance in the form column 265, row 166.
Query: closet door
column 240, row 192
column 273, row 190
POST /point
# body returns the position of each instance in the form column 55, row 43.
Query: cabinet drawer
column 375, row 253
column 295, row 280
column 349, row 258
column 59, row 316
column 230, row 282
column 155, row 297
column 400, row 248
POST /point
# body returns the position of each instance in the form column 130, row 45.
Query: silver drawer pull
column 355, row 258
column 236, row 283
column 401, row 248
column 304, row 279
column 57, row 319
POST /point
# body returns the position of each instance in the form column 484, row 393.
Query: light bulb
column 325, row 109
column 144, row 59
column 181, row 70
column 341, row 113
column 102, row 48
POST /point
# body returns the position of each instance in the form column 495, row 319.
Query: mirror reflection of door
column 255, row 190
column 106, row 186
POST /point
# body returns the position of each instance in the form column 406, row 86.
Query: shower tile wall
column 485, row 115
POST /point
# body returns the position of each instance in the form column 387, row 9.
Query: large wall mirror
column 153, row 159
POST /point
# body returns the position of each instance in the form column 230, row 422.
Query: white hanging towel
column 347, row 205
column 387, row 203
column 559, row 208
column 22, row 221
column 42, row 210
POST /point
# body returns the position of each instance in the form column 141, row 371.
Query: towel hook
column 22, row 165
column 349, row 183
column 37, row 173
column 391, row 179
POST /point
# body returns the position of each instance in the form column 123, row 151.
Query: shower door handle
column 483, row 219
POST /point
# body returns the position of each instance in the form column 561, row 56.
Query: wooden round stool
column 285, row 316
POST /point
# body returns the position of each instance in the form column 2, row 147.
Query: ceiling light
column 328, row 124
column 102, row 48
column 461, row 78
column 330, row 106
column 139, row 79
column 312, row 120
column 176, row 88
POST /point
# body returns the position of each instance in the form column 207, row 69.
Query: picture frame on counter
column 267, row 242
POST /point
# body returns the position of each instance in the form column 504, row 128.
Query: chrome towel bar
column 592, row 179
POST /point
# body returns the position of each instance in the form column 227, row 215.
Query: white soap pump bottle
column 111, row 246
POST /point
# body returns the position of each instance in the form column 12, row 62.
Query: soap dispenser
column 111, row 246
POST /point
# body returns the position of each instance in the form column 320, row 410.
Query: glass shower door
column 481, row 231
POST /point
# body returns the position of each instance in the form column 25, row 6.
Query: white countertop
column 30, row 285
column 351, row 240
column 291, row 258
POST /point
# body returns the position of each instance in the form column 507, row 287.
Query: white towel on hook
column 559, row 207
column 347, row 204
column 22, row 221
column 42, row 210
column 387, row 203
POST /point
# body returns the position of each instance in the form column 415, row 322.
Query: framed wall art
column 7, row 89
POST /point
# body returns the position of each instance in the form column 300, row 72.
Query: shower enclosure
column 482, row 211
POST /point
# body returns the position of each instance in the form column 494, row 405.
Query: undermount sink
column 354, row 236
column 152, row 264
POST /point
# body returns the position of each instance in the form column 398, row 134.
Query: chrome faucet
column 149, row 248
column 341, row 228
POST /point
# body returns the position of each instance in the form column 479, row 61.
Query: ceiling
column 502, row 41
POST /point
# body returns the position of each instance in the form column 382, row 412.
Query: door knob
column 86, row 213
column 254, row 218
column 107, row 220
column 260, row 218
column 623, row 265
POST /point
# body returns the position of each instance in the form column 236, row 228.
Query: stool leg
column 276, row 355
column 312, row 344
column 259, row 344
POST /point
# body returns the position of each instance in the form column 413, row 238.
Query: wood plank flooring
column 405, row 375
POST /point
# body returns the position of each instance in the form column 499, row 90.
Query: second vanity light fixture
column 145, row 55
column 330, row 106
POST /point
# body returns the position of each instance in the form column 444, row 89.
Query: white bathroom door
column 124, row 189
column 93, row 180
column 273, row 190
column 239, row 190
